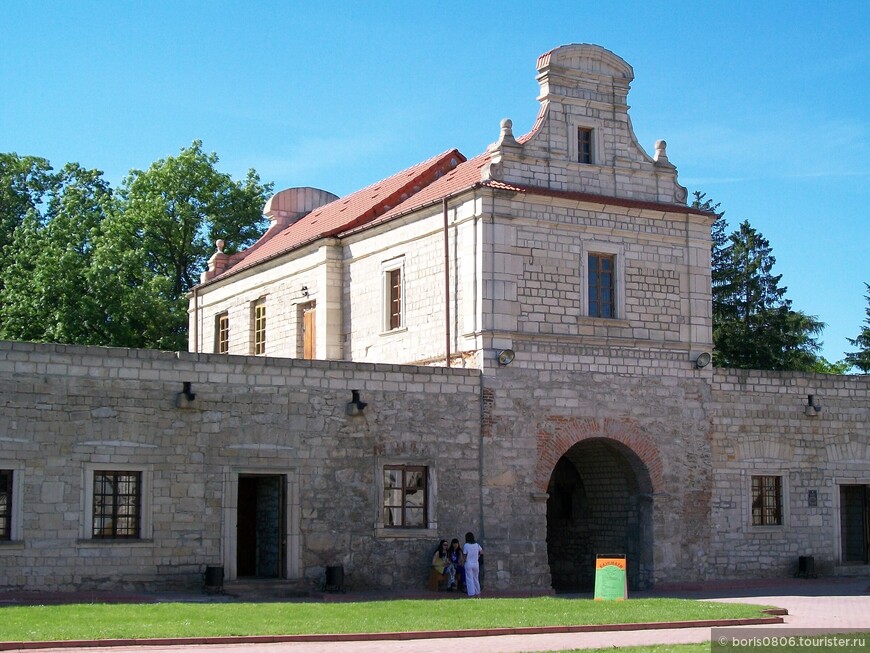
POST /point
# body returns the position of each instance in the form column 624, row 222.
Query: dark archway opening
column 600, row 502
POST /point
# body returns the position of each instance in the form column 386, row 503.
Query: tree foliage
column 25, row 184
column 861, row 358
column 46, row 294
column 86, row 265
column 181, row 205
column 824, row 366
column 754, row 325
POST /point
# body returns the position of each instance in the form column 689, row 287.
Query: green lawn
column 125, row 621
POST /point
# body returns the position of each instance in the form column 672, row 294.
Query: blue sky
column 764, row 105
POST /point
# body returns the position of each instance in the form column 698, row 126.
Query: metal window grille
column 766, row 500
column 117, row 504
column 5, row 504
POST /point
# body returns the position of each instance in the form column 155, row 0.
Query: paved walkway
column 831, row 603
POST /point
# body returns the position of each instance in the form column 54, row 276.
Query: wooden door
column 309, row 327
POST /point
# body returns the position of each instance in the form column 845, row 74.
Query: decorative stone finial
column 661, row 151
column 505, row 137
column 218, row 262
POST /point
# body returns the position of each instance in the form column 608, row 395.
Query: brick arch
column 558, row 434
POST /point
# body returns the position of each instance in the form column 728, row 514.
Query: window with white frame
column 394, row 294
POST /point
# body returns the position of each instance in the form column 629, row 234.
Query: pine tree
column 861, row 358
column 722, row 273
column 754, row 325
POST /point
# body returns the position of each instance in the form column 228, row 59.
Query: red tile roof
column 465, row 176
column 421, row 185
column 354, row 210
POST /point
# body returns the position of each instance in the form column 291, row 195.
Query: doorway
column 855, row 523
column 600, row 502
column 261, row 527
column 309, row 331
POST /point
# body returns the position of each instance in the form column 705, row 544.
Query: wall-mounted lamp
column 356, row 405
column 186, row 396
column 703, row 360
column 506, row 356
column 813, row 407
column 305, row 291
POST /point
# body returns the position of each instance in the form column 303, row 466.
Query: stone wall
column 415, row 244
column 67, row 410
column 662, row 271
column 664, row 454
column 761, row 427
column 656, row 432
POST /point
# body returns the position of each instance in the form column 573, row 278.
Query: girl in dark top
column 457, row 559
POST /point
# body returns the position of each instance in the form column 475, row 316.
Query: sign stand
column 611, row 582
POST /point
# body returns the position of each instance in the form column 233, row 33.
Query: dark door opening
column 855, row 523
column 260, row 527
column 600, row 503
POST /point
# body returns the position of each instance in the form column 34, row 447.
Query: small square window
column 117, row 505
column 584, row 145
column 5, row 504
column 259, row 327
column 767, row 500
column 602, row 283
column 222, row 333
column 405, row 499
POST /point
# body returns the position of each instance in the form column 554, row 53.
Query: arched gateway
column 600, row 501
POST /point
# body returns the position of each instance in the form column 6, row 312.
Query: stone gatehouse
column 271, row 471
column 515, row 344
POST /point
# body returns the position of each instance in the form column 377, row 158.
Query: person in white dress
column 472, row 552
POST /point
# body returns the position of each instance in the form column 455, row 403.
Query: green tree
column 754, row 325
column 824, row 366
column 181, row 205
column 861, row 358
column 722, row 271
column 25, row 185
column 85, row 265
column 46, row 295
